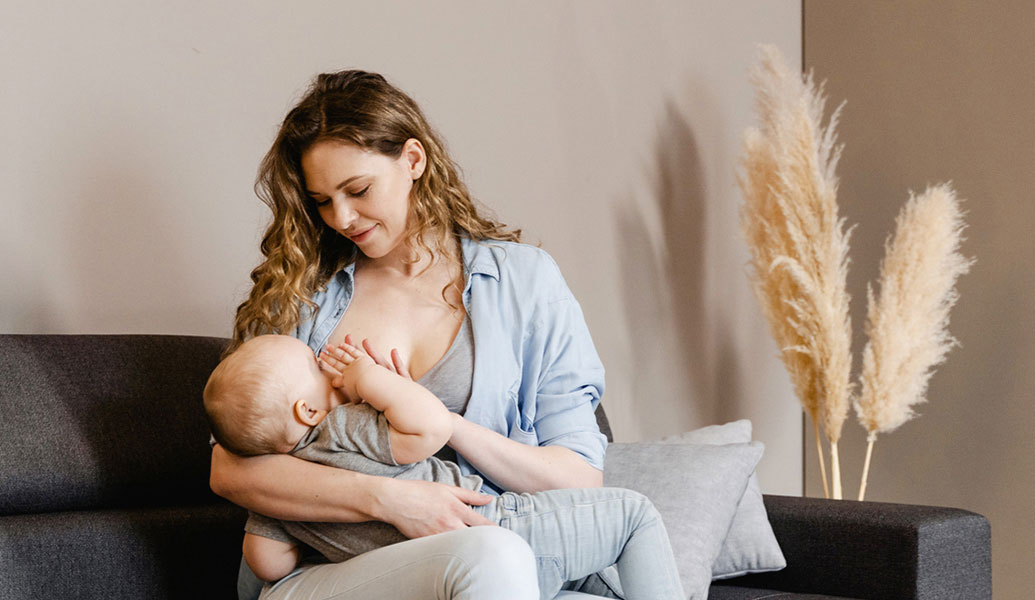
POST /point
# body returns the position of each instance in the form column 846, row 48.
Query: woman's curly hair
column 301, row 252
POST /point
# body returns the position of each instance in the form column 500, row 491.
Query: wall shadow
column 665, row 277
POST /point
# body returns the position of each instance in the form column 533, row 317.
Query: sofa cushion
column 719, row 592
column 157, row 553
column 103, row 421
column 696, row 489
column 750, row 545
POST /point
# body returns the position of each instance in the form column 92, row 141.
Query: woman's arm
column 519, row 467
column 553, row 441
column 289, row 488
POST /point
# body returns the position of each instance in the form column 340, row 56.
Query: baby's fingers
column 325, row 365
column 334, row 360
column 342, row 355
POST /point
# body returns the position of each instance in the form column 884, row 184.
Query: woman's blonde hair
column 301, row 252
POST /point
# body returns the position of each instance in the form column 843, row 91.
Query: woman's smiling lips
column 362, row 235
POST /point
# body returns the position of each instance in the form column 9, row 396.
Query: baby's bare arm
column 419, row 424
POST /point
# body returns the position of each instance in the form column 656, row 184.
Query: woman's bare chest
column 415, row 319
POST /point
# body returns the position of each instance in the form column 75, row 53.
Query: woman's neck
column 413, row 260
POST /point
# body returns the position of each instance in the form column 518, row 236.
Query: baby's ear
column 306, row 414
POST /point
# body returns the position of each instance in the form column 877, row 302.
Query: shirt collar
column 479, row 258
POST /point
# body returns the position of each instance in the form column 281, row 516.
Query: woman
column 374, row 235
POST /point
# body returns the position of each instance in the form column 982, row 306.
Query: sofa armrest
column 879, row 551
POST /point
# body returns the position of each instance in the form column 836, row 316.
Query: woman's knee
column 638, row 507
column 492, row 562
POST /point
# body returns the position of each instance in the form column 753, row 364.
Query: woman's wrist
column 376, row 491
column 457, row 422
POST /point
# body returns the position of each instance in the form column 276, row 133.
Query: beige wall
column 608, row 131
column 943, row 90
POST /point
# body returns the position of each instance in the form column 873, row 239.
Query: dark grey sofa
column 104, row 492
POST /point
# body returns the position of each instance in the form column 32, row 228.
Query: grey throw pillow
column 750, row 545
column 696, row 489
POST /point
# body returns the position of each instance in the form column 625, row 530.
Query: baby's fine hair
column 245, row 400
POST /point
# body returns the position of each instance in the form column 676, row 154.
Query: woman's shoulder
column 518, row 266
column 508, row 259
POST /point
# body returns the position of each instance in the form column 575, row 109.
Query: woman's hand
column 420, row 508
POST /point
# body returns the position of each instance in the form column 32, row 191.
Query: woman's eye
column 322, row 203
column 361, row 192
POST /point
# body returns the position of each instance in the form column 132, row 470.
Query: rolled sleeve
column 538, row 378
column 570, row 382
column 571, row 423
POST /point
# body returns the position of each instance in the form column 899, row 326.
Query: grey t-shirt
column 451, row 378
column 355, row 437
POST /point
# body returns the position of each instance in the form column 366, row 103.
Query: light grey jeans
column 574, row 533
column 562, row 536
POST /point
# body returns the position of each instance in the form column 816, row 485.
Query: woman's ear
column 416, row 158
column 306, row 414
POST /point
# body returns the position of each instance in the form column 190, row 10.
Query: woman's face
column 362, row 194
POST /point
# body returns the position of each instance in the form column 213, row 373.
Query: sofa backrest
column 104, row 464
column 104, row 469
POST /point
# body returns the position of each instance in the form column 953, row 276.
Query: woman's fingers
column 470, row 517
column 476, row 520
column 470, row 496
column 399, row 365
column 374, row 354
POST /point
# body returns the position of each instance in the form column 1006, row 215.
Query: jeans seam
column 532, row 511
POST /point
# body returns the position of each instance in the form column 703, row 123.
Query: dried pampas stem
column 835, row 465
column 822, row 466
column 866, row 465
column 907, row 323
column 799, row 246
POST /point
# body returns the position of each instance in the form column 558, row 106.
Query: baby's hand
column 395, row 363
column 344, row 364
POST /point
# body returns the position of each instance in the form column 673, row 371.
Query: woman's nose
column 342, row 215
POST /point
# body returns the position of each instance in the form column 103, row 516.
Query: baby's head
column 264, row 396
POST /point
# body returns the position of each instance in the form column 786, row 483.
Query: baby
column 270, row 396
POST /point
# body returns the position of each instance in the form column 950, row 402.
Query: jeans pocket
column 551, row 575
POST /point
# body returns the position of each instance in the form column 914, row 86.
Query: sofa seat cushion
column 732, row 592
column 176, row 552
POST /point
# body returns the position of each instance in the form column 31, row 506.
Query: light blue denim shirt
column 537, row 376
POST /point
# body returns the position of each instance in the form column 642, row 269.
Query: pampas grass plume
column 907, row 321
column 798, row 243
